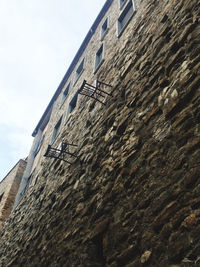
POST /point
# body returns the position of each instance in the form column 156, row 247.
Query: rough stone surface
column 135, row 187
column 9, row 188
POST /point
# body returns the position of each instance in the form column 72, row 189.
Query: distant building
column 8, row 189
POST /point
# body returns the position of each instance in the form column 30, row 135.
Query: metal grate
column 63, row 151
column 97, row 92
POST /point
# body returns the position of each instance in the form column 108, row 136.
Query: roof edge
column 75, row 61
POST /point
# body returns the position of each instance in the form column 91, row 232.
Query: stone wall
column 109, row 41
column 9, row 188
column 131, row 198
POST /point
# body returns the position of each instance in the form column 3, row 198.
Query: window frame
column 56, row 130
column 29, row 181
column 40, row 143
column 1, row 196
column 79, row 72
column 121, row 4
column 97, row 57
column 120, row 28
column 104, row 31
column 65, row 93
column 72, row 105
column 36, row 180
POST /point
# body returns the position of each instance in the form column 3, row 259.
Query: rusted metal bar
column 95, row 92
column 56, row 153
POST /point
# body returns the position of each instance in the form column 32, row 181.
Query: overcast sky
column 38, row 40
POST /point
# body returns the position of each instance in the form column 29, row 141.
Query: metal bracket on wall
column 97, row 91
column 61, row 152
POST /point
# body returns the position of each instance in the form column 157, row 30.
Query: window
column 39, row 144
column 79, row 71
column 125, row 17
column 121, row 3
column 98, row 58
column 72, row 105
column 36, row 180
column 1, row 196
column 104, row 29
column 56, row 130
column 28, row 181
column 65, row 94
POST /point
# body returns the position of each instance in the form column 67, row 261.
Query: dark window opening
column 1, row 196
column 40, row 144
column 99, row 58
column 28, row 182
column 72, row 105
column 104, row 28
column 125, row 17
column 56, row 130
column 65, row 94
column 79, row 71
column 36, row 180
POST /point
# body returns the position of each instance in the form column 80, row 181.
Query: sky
column 38, row 41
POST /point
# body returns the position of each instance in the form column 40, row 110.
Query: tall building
column 92, row 59
column 112, row 177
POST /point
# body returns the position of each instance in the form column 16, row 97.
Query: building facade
column 92, row 59
column 123, row 188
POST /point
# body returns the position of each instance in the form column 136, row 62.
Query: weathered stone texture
column 108, row 73
column 133, row 197
column 9, row 188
